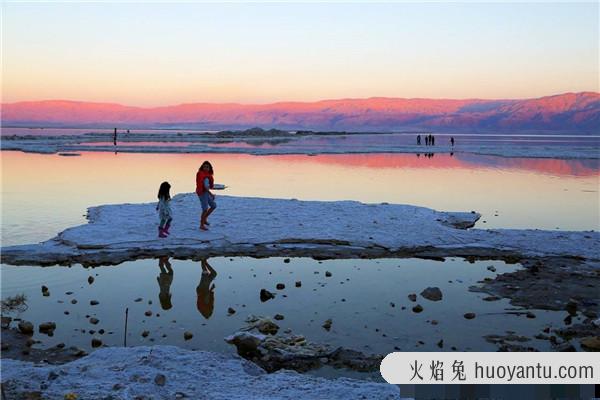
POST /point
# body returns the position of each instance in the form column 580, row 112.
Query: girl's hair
column 163, row 191
column 210, row 168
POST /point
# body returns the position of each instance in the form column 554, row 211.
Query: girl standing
column 205, row 182
column 164, row 209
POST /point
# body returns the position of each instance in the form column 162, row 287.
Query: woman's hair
column 210, row 168
column 163, row 191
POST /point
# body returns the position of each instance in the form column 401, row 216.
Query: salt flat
column 274, row 227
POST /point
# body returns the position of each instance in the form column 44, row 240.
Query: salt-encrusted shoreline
column 262, row 227
column 171, row 372
column 275, row 145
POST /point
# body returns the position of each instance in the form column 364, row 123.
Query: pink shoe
column 161, row 233
column 166, row 229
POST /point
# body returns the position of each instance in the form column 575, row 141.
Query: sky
column 152, row 54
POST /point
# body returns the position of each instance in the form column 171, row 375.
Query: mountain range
column 568, row 113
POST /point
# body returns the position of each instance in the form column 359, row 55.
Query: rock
column 327, row 274
column 440, row 344
column 230, row 311
column 571, row 307
column 160, row 379
column 5, row 321
column 591, row 343
column 266, row 295
column 145, row 333
column 412, row 297
column 96, row 342
column 44, row 289
column 392, row 304
column 148, row 313
column 94, row 321
column 187, row 335
column 25, row 327
column 138, row 299
column 491, row 268
column 90, row 279
column 298, row 283
column 94, row 302
column 263, row 325
column 327, row 324
column 286, row 260
column 74, row 301
column 469, row 315
column 432, row 294
column 417, row 309
column 47, row 327
column 491, row 298
column 280, row 286
column 530, row 315
column 278, row 317
column 565, row 347
column 246, row 343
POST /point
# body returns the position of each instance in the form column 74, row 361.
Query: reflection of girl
column 205, row 182
column 205, row 291
column 164, row 209
column 165, row 278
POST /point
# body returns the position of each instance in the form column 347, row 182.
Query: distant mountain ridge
column 568, row 112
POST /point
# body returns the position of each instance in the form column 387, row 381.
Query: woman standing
column 205, row 182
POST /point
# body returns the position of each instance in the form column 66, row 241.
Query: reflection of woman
column 165, row 278
column 205, row 291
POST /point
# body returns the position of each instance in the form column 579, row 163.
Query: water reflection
column 205, row 291
column 165, row 278
column 509, row 192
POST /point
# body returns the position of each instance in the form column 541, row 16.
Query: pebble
column 327, row 274
column 160, row 379
column 327, row 324
column 26, row 327
column 432, row 293
column 90, row 279
column 266, row 295
column 280, row 286
column 298, row 283
column 417, row 309
column 47, row 327
column 230, row 311
column 469, row 315
column 412, row 297
column 148, row 313
column 96, row 342
column 187, row 335
column 94, row 321
column 278, row 317
column 145, row 333
column 94, row 302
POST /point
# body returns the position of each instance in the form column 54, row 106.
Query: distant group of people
column 204, row 183
column 205, row 291
column 430, row 140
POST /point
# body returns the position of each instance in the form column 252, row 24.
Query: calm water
column 358, row 298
